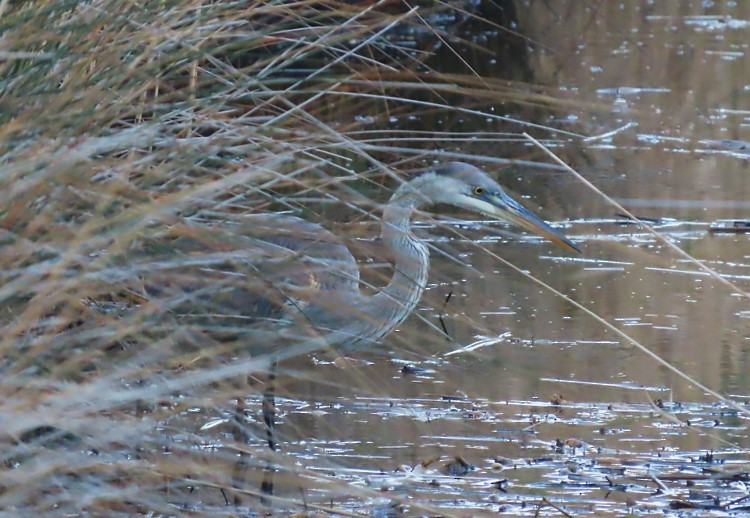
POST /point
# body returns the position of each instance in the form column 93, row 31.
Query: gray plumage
column 277, row 272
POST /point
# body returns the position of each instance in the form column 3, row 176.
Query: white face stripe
column 471, row 202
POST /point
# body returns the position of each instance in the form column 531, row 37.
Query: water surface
column 547, row 401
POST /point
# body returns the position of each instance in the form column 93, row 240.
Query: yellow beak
column 510, row 210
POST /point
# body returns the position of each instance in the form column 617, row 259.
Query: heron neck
column 411, row 260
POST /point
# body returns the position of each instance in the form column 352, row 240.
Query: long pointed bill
column 510, row 210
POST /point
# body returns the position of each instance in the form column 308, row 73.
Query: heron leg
column 269, row 406
column 269, row 418
column 241, row 435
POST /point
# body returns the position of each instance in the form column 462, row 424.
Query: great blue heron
column 280, row 283
column 315, row 280
column 333, row 304
column 272, row 282
column 266, row 272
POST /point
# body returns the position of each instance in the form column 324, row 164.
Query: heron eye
column 478, row 191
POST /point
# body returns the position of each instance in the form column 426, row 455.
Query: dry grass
column 129, row 128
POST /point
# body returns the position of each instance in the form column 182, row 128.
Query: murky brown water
column 676, row 76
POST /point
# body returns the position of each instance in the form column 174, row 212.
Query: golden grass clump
column 130, row 132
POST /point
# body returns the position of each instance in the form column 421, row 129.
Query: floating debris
column 458, row 467
column 501, row 485
column 482, row 341
column 346, row 362
column 735, row 146
column 629, row 220
column 410, row 369
column 730, row 226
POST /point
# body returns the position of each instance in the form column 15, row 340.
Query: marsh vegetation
column 126, row 126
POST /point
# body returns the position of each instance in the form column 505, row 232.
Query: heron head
column 468, row 187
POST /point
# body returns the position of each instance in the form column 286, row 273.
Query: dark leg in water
column 269, row 406
column 269, row 418
column 243, row 436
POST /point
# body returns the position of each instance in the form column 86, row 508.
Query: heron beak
column 510, row 210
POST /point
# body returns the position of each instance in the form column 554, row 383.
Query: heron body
column 309, row 278
column 281, row 285
column 289, row 280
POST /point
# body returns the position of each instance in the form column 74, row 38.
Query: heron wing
column 237, row 273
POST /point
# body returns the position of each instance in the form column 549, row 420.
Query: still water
column 664, row 87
